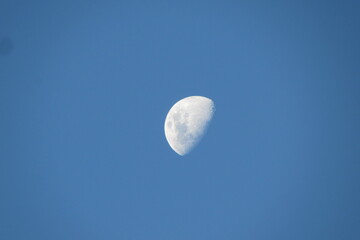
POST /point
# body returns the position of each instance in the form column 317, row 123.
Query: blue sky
column 85, row 87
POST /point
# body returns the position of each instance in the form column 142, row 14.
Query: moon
column 187, row 122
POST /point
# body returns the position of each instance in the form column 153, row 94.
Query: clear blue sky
column 85, row 87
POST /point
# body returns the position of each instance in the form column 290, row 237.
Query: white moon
column 187, row 121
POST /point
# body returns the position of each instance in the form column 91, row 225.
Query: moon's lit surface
column 187, row 121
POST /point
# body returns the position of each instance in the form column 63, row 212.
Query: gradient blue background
column 85, row 87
